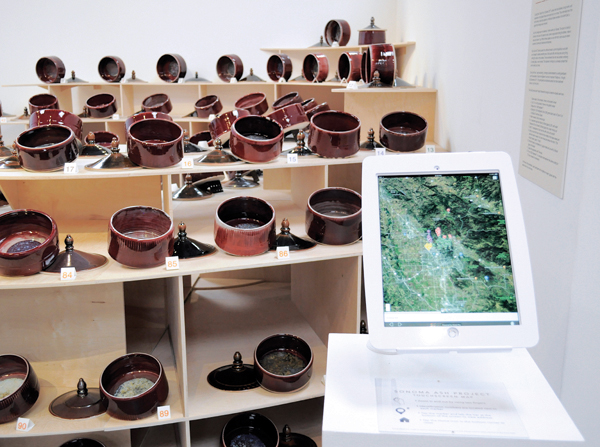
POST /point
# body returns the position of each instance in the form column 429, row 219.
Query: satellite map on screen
column 444, row 245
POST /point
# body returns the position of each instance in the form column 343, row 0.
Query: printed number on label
column 68, row 273
column 283, row 252
column 164, row 412
column 24, row 424
column 115, row 116
column 172, row 262
column 292, row 158
column 71, row 168
column 3, row 120
column 186, row 164
column 430, row 148
column 380, row 151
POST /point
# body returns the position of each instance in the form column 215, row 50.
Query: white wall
column 475, row 53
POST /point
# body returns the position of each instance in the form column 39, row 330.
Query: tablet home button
column 452, row 332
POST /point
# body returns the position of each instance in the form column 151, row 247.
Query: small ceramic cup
column 50, row 69
column 279, row 66
column 249, row 429
column 382, row 58
column 208, row 105
column 244, row 226
column 159, row 102
column 111, row 68
column 55, row 116
column 334, row 134
column 255, row 103
column 230, row 66
column 42, row 101
column 334, row 216
column 286, row 100
column 315, row 67
column 101, row 105
column 21, row 399
column 256, row 139
column 140, row 236
column 337, row 31
column 46, row 148
column 155, row 143
column 349, row 66
column 403, row 131
column 171, row 67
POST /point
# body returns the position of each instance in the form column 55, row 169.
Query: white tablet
column 446, row 262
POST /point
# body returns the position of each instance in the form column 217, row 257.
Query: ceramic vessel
column 159, row 102
column 349, row 66
column 155, row 143
column 317, row 109
column 230, row 66
column 255, row 103
column 382, row 58
column 256, row 139
column 111, row 68
column 279, row 66
column 315, row 67
column 293, row 358
column 128, row 367
column 249, row 429
column 101, row 105
column 371, row 34
column 308, row 104
column 46, row 148
column 42, row 101
column 140, row 236
column 403, row 131
column 244, row 226
column 103, row 138
column 50, row 69
column 208, row 105
column 22, row 399
column 220, row 127
column 28, row 242
column 146, row 116
column 54, row 116
column 171, row 67
column 82, row 442
column 337, row 31
column 334, row 134
column 334, row 216
column 291, row 117
column 201, row 136
column 286, row 100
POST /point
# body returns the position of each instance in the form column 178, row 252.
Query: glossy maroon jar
column 286, row 100
column 308, row 104
column 208, row 105
column 171, row 67
column 159, row 102
column 42, row 101
column 315, row 67
column 50, row 69
column 382, row 58
column 279, row 66
column 61, row 117
column 290, row 117
column 256, row 139
column 28, row 242
column 334, row 134
column 255, row 103
column 46, row 148
column 101, row 105
column 334, row 216
column 317, row 109
column 155, row 143
column 140, row 236
column 244, row 226
column 146, row 116
column 349, row 66
column 220, row 127
column 254, row 424
column 403, row 131
column 337, row 31
column 230, row 66
column 22, row 399
column 371, row 34
column 111, row 68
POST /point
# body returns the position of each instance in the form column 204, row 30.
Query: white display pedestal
column 350, row 414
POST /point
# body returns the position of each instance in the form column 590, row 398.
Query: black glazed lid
column 91, row 149
column 370, row 144
column 81, row 403
column 287, row 239
column 217, row 156
column 235, row 377
column 186, row 248
column 115, row 160
column 189, row 192
column 371, row 26
column 4, row 151
column 289, row 439
column 188, row 146
column 75, row 258
column 252, row 78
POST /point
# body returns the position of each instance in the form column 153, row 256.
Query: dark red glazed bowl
column 403, row 131
column 201, row 136
column 334, row 134
column 220, row 127
column 244, row 428
column 230, row 66
column 308, row 104
column 315, row 67
column 279, row 66
column 28, row 242
column 159, row 102
column 349, row 66
column 245, row 226
column 42, row 101
column 171, row 67
column 111, row 68
column 334, row 216
column 146, row 116
column 155, row 143
column 103, row 138
column 382, row 58
column 128, row 367
column 208, row 105
column 22, row 399
column 317, row 109
column 54, row 116
column 371, row 36
column 82, row 442
column 101, row 105
column 50, row 69
column 286, row 100
column 291, row 117
column 337, row 31
column 280, row 345
column 256, row 139
column 255, row 103
column 140, row 236
column 46, row 148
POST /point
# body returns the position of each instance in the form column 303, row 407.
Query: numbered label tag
column 283, row 252
column 164, row 412
column 172, row 262
column 3, row 120
column 233, row 80
column 292, row 159
column 63, row 81
column 352, row 85
column 68, row 273
column 24, row 424
column 180, row 81
column 187, row 163
column 380, row 151
column 430, row 148
column 116, row 116
column 71, row 168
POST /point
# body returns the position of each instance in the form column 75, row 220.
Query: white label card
column 180, row 80
column 3, row 120
column 68, row 273
column 187, row 163
column 24, row 424
column 71, row 168
column 380, row 151
column 283, row 252
column 115, row 116
column 292, row 159
column 430, row 148
column 163, row 412
column 172, row 262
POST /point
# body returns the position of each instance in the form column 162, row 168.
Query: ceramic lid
column 287, row 239
column 186, row 247
column 81, row 403
column 188, row 146
column 217, row 156
column 371, row 26
column 235, row 377
column 239, row 182
column 115, row 160
column 91, row 149
column 370, row 144
column 289, row 439
column 300, row 148
column 252, row 78
column 189, row 192
column 75, row 258
column 4, row 151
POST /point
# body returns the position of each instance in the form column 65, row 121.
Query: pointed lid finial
column 238, row 364
column 285, row 226
column 91, row 138
column 73, row 74
column 69, row 243
column 371, row 135
column 25, row 111
column 196, row 75
column 363, row 327
column 182, row 227
column 82, row 388
column 114, row 146
column 218, row 144
column 186, row 136
column 287, row 432
column 132, row 74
